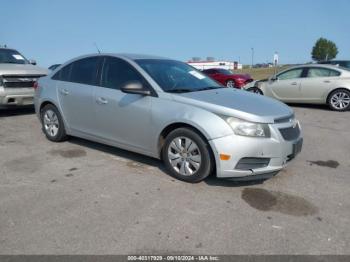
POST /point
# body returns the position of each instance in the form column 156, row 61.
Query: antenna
column 98, row 50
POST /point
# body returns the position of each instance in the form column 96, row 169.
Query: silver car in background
column 168, row 110
column 17, row 78
column 313, row 84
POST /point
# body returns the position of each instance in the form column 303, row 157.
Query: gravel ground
column 80, row 197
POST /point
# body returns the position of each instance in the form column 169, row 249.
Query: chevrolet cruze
column 168, row 110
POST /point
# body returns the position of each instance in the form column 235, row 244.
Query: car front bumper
column 16, row 97
column 275, row 150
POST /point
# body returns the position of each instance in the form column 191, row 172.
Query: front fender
column 169, row 112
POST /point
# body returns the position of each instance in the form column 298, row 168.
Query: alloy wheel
column 340, row 100
column 184, row 156
column 230, row 84
column 51, row 123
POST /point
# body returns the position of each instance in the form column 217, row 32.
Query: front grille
column 19, row 84
column 248, row 163
column 18, row 81
column 290, row 133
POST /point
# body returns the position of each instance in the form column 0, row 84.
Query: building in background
column 211, row 63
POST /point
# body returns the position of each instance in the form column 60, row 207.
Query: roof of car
column 126, row 56
column 329, row 61
column 7, row 48
column 134, row 56
column 330, row 66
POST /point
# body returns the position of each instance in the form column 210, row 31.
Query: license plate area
column 297, row 146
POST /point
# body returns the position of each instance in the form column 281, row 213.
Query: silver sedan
column 168, row 110
column 314, row 84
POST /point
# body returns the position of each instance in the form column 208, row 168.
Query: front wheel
column 255, row 90
column 187, row 155
column 339, row 100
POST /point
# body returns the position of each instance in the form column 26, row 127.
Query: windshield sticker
column 18, row 57
column 196, row 74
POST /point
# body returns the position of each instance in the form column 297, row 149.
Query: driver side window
column 290, row 74
column 116, row 73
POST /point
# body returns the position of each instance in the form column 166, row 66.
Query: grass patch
column 260, row 73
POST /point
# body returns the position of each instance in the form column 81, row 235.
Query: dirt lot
column 80, row 197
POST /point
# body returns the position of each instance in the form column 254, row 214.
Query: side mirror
column 274, row 78
column 135, row 88
column 32, row 62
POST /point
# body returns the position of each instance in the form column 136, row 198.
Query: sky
column 56, row 31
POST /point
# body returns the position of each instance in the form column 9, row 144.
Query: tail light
column 35, row 85
column 240, row 80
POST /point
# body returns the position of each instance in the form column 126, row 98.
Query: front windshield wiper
column 209, row 88
column 10, row 62
column 180, row 90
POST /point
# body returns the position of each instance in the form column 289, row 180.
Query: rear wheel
column 230, row 84
column 339, row 100
column 52, row 124
column 187, row 155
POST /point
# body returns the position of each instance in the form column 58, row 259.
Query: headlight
column 245, row 128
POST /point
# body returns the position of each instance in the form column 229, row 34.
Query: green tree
column 324, row 49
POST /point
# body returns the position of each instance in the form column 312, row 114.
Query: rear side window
column 116, row 73
column 84, row 71
column 322, row 72
column 291, row 74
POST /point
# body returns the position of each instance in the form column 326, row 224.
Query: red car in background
column 227, row 78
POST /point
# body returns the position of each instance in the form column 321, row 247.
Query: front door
column 286, row 86
column 122, row 118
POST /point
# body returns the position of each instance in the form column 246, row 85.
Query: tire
column 255, row 90
column 187, row 155
column 52, row 124
column 230, row 83
column 339, row 100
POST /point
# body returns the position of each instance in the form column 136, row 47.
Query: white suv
column 17, row 78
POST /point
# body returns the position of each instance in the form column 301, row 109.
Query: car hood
column 241, row 104
column 27, row 69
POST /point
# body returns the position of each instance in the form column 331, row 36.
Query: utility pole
column 252, row 56
column 275, row 61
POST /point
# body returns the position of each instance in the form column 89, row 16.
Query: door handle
column 294, row 83
column 64, row 92
column 326, row 81
column 101, row 101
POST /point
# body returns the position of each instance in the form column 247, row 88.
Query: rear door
column 317, row 84
column 287, row 85
column 75, row 92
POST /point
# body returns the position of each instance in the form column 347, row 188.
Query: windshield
column 177, row 77
column 224, row 72
column 9, row 56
